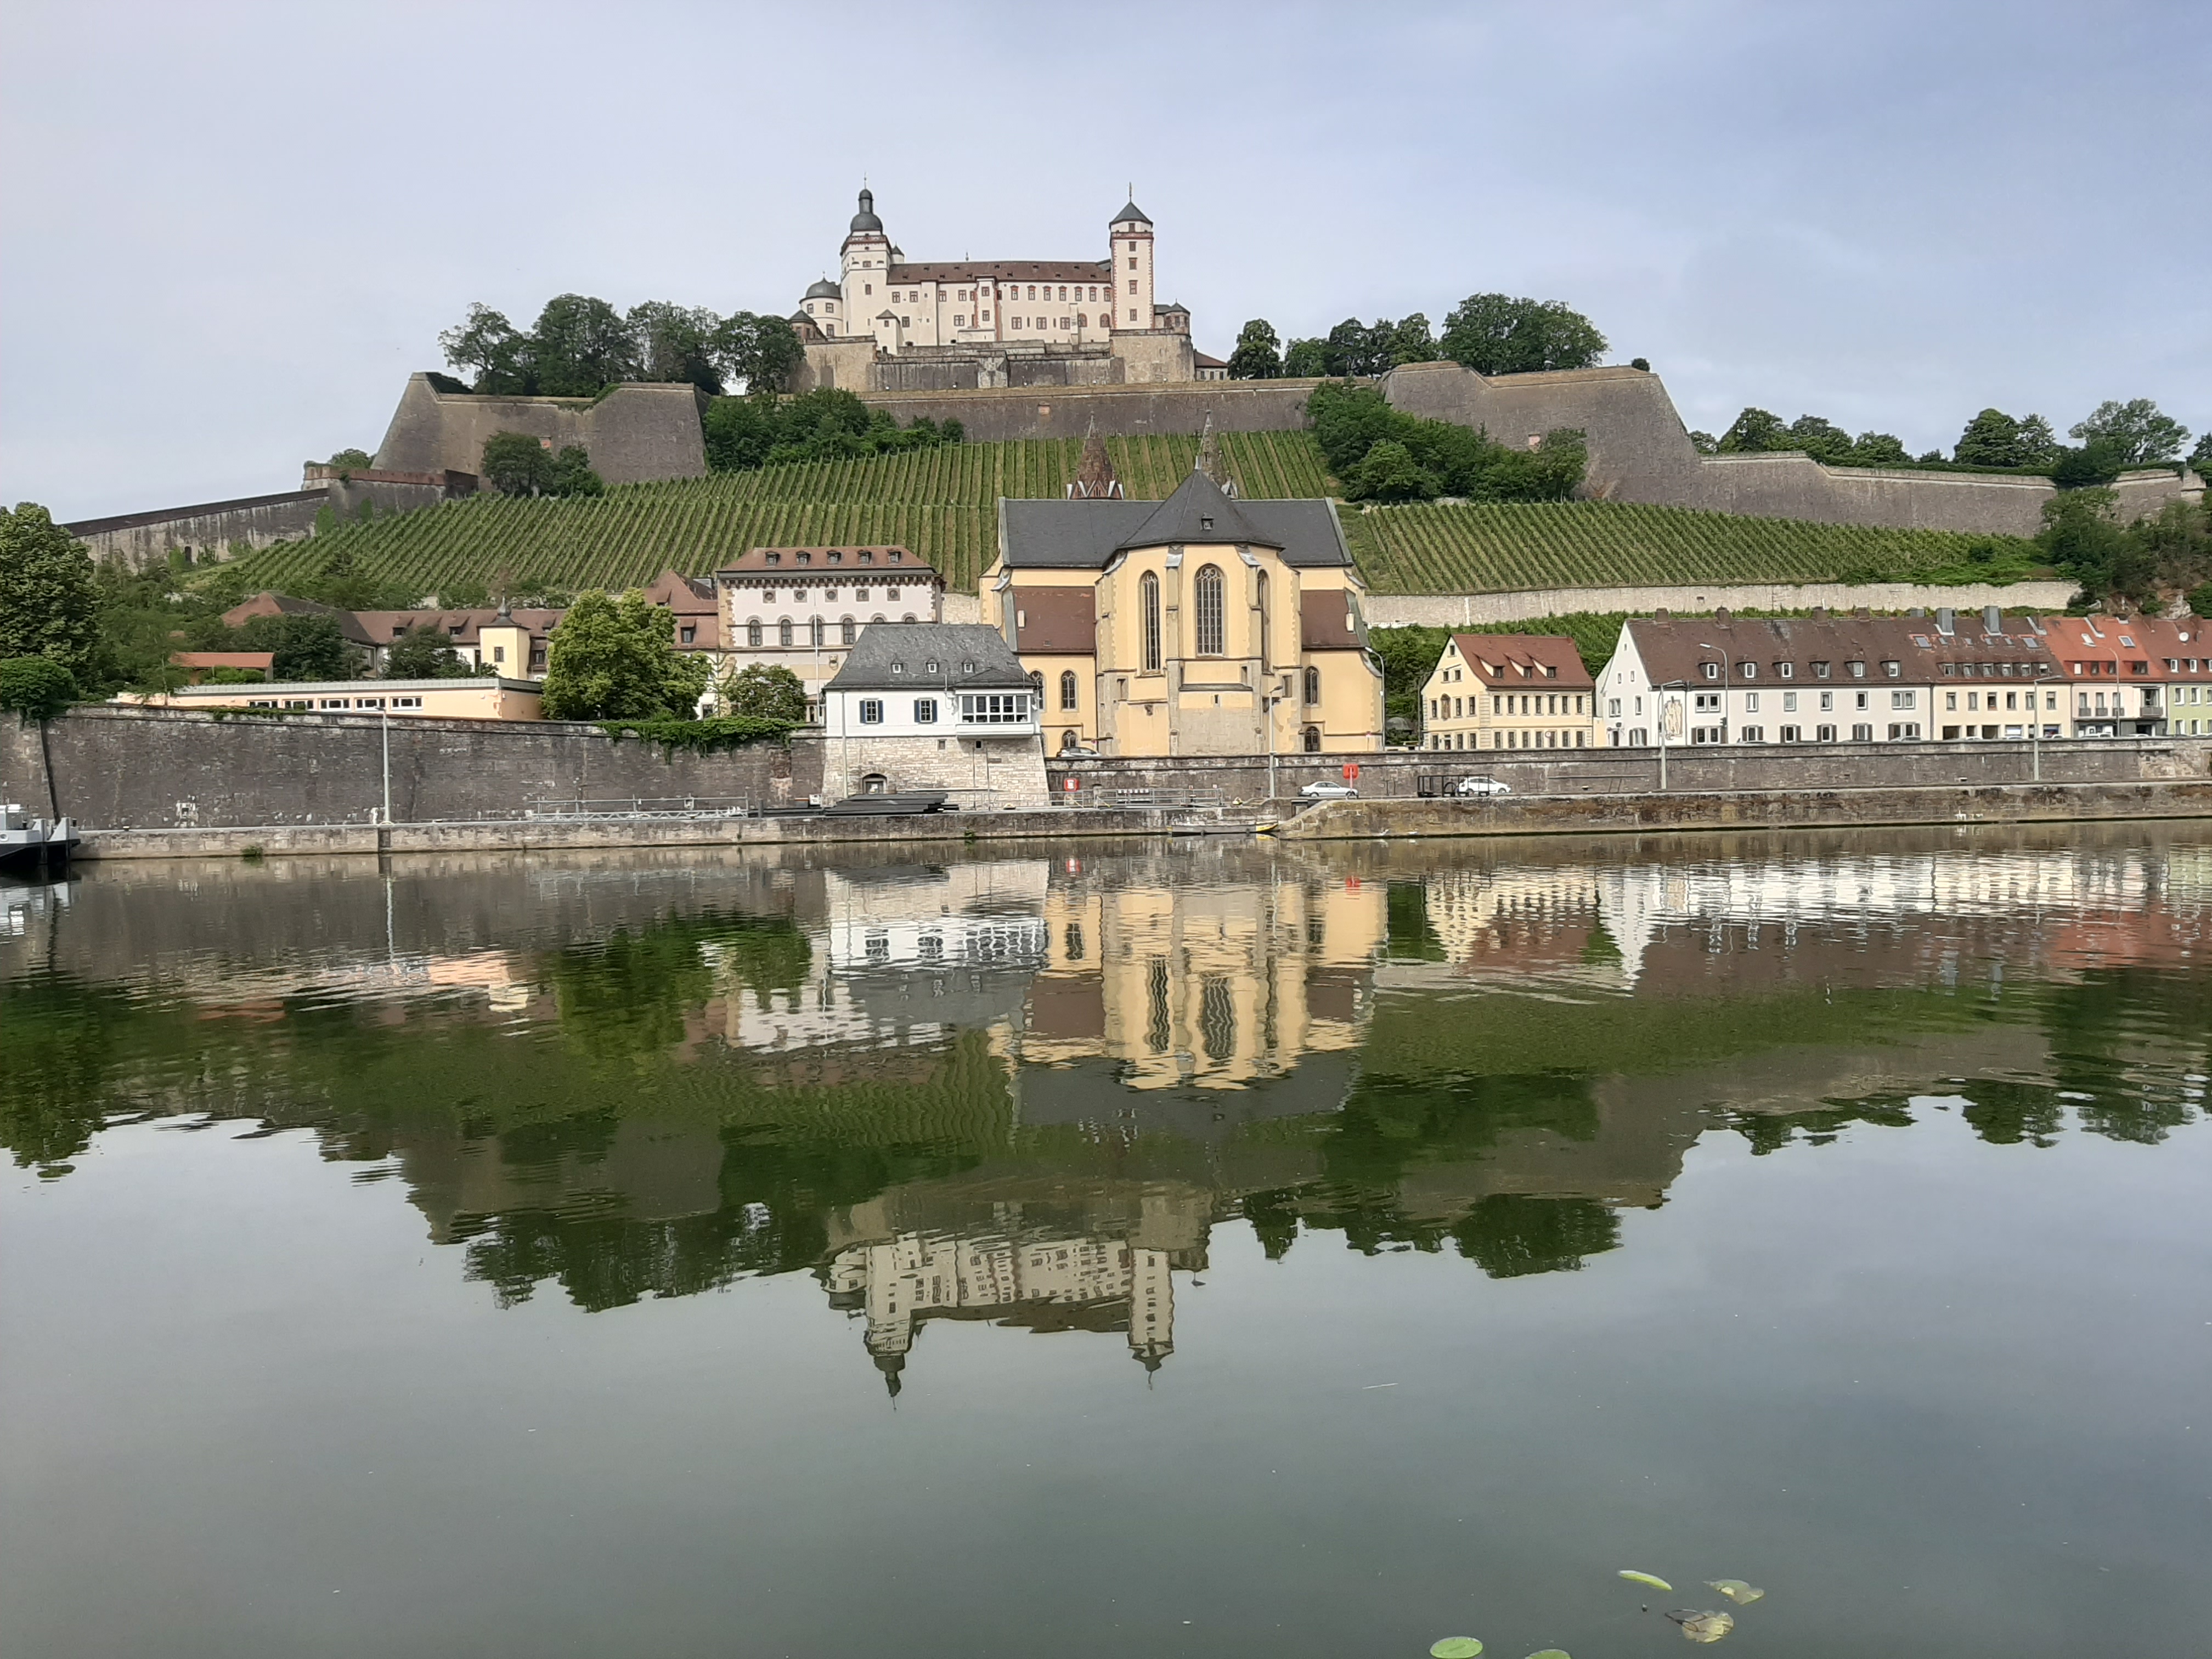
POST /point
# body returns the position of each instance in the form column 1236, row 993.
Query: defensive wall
column 999, row 415
column 1640, row 451
column 634, row 432
column 139, row 539
column 1468, row 610
column 1131, row 357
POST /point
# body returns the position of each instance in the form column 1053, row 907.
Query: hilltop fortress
column 889, row 325
column 1016, row 348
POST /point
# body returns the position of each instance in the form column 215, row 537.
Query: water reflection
column 1022, row 1090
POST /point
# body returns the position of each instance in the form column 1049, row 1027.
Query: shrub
column 37, row 688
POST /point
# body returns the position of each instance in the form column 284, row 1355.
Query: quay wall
column 1792, row 809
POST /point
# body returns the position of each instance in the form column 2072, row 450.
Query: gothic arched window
column 1313, row 739
column 1148, row 593
column 1313, row 685
column 1206, row 595
column 1067, row 696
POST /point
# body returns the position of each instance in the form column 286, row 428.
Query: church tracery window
column 1206, row 593
column 1148, row 590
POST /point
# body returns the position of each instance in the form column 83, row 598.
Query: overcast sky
column 231, row 230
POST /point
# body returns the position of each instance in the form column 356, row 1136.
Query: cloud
column 233, row 230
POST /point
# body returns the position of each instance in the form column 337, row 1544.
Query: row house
column 1950, row 676
column 1510, row 691
column 803, row 608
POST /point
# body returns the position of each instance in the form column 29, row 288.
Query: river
column 1205, row 1248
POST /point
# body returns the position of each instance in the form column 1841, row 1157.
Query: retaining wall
column 1366, row 820
column 1467, row 609
column 999, row 414
column 139, row 539
column 1733, row 767
column 115, row 767
column 635, row 433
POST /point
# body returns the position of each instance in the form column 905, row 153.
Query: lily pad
column 1704, row 1626
column 1455, row 1647
column 1735, row 1589
column 1645, row 1578
column 1551, row 1653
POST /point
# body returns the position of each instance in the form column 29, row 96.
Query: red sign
column 1071, row 783
column 1351, row 771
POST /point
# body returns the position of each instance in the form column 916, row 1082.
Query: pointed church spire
column 1210, row 463
column 1095, row 478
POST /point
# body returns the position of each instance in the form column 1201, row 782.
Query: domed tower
column 1129, row 244
column 825, row 304
column 864, row 263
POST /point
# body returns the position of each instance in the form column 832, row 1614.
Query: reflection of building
column 1108, row 1272
column 1217, row 985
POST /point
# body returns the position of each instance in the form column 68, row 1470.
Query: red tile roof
column 1513, row 661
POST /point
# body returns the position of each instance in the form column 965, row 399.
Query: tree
column 424, row 654
column 1411, row 342
column 36, row 687
column 1389, row 473
column 488, row 349
column 1879, row 449
column 516, row 463
column 2200, row 600
column 304, row 647
column 616, row 659
column 570, row 474
column 1705, row 443
column 1305, row 360
column 1822, row 440
column 829, row 424
column 48, row 605
column 579, row 346
column 1258, row 355
column 761, row 352
column 2090, row 467
column 2200, row 460
column 676, row 342
column 2135, row 431
column 352, row 460
column 1754, row 433
column 765, row 691
column 1991, row 438
column 1496, row 334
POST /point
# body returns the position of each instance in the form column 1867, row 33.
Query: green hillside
column 942, row 503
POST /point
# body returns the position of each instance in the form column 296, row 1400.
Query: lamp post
column 387, row 767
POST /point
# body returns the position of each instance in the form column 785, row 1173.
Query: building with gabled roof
column 1510, row 691
column 933, row 706
column 1204, row 624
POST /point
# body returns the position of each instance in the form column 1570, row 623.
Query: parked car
column 1481, row 786
column 1330, row 792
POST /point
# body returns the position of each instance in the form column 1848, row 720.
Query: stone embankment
column 1772, row 809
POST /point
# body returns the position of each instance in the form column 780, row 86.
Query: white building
column 803, row 608
column 947, row 706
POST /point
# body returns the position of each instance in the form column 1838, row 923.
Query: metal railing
column 575, row 809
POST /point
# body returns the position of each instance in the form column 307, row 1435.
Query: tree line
column 581, row 345
column 1489, row 333
column 2113, row 437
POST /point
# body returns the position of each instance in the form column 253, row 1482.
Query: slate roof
column 1085, row 535
column 1012, row 270
column 1131, row 211
column 822, row 289
column 896, row 657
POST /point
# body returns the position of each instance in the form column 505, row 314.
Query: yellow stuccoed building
column 1199, row 625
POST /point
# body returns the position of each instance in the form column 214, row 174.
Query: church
column 1204, row 624
column 890, row 324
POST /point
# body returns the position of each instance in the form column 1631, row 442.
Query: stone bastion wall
column 636, row 434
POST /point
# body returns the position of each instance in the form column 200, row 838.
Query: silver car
column 1481, row 786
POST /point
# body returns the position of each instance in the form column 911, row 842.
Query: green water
column 1204, row 1248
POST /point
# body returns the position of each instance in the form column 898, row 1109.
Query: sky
column 228, row 232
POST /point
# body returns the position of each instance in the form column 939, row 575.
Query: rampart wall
column 1639, row 450
column 996, row 414
column 140, row 539
column 636, row 434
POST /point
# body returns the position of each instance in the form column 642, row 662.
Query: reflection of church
column 1111, row 1271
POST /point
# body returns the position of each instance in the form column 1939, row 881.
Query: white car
column 1330, row 792
column 1481, row 787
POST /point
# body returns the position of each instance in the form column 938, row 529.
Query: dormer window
column 896, row 556
column 1712, row 670
column 1205, row 523
column 933, row 668
column 836, row 557
column 898, row 668
column 806, row 558
column 776, row 558
column 1751, row 670
column 1893, row 669
column 967, row 667
column 1821, row 670
column 1858, row 671
column 1783, row 670
column 866, row 557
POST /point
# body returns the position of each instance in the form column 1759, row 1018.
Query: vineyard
column 942, row 503
column 1502, row 548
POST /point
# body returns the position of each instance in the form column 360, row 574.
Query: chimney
column 1946, row 620
column 1992, row 619
column 1819, row 613
column 1917, row 613
column 1721, row 614
column 1861, row 613
column 1661, row 615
